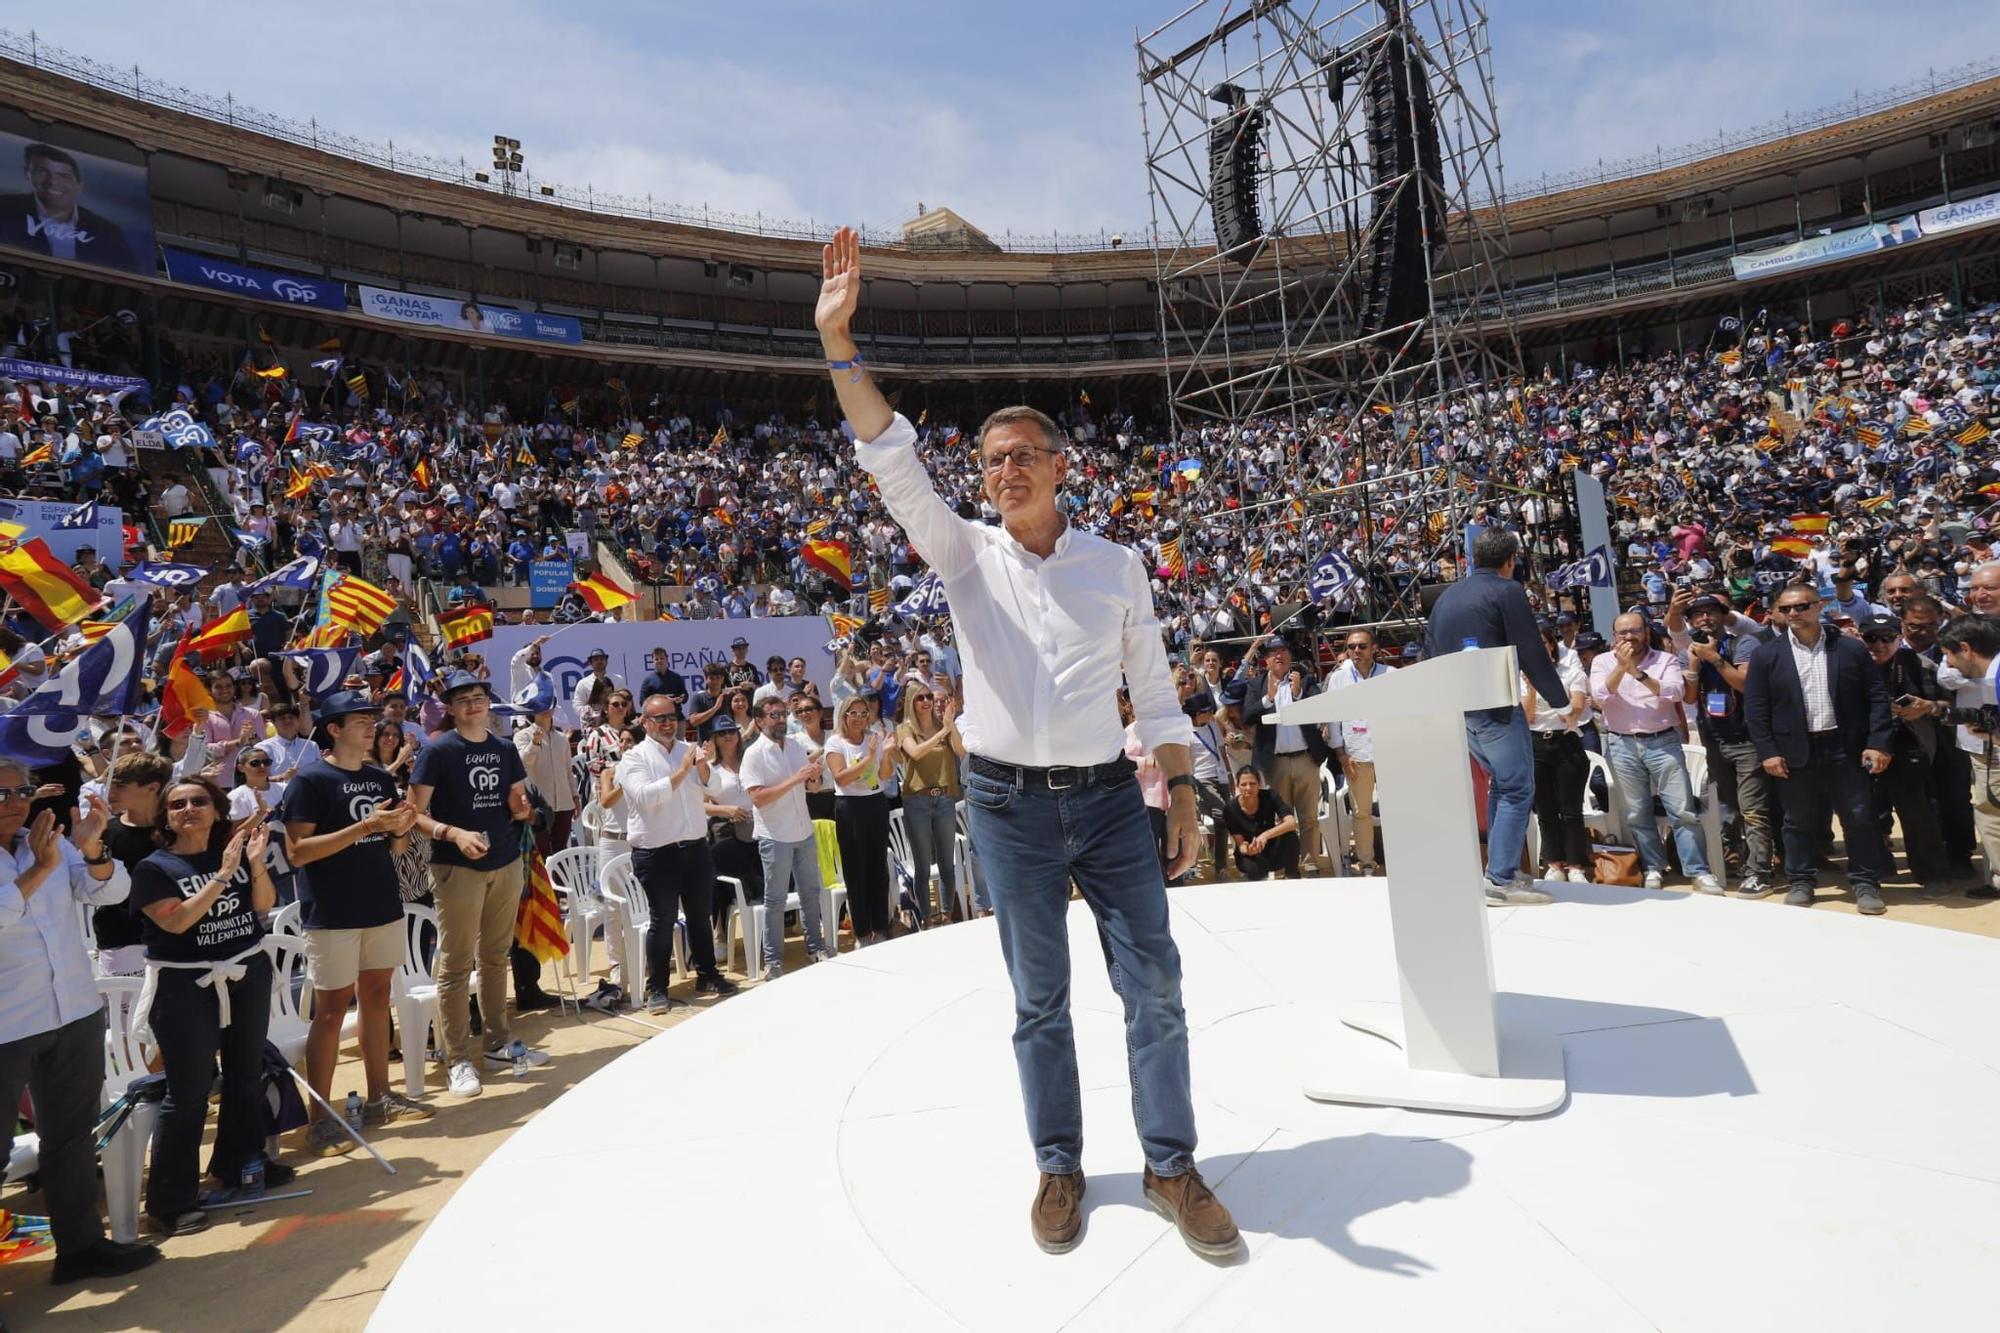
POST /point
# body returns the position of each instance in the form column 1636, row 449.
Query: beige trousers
column 476, row 911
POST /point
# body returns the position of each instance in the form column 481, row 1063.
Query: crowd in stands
column 1778, row 492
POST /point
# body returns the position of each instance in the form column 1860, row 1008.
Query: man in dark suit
column 1488, row 609
column 1288, row 757
column 1817, row 712
column 48, row 220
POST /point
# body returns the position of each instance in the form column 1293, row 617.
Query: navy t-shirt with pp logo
column 355, row 887
column 470, row 781
column 230, row 925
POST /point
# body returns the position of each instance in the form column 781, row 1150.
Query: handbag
column 1615, row 865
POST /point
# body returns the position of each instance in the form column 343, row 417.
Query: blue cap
column 341, row 703
column 464, row 680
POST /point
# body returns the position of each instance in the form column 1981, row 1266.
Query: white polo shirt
column 766, row 764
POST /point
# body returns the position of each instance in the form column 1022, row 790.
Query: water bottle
column 1470, row 643
column 353, row 1111
column 251, row 1184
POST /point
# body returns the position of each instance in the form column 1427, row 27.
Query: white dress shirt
column 1045, row 644
column 45, row 974
column 661, row 811
column 1353, row 737
column 766, row 764
column 1813, row 683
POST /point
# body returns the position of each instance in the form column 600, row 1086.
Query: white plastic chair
column 631, row 915
column 289, row 1022
column 416, row 994
column 573, row 872
column 590, row 823
column 1607, row 824
column 749, row 918
column 288, row 920
column 124, row 1158
column 1336, row 819
column 1706, row 796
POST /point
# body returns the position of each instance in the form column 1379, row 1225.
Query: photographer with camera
column 1717, row 661
column 1971, row 644
column 1903, row 791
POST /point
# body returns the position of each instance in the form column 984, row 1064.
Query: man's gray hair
column 1052, row 434
column 1493, row 548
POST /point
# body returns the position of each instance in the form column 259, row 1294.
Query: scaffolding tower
column 1325, row 183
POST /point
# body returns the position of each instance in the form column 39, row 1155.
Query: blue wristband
column 853, row 365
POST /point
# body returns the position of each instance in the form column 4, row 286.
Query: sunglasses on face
column 255, row 763
column 188, row 803
column 16, row 793
column 1881, row 638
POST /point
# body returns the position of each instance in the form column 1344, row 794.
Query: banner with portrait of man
column 68, row 193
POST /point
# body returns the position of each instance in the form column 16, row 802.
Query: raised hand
column 232, row 855
column 258, row 842
column 90, row 820
column 44, row 840
column 839, row 292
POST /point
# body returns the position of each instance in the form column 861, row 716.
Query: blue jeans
column 932, row 823
column 1504, row 749
column 1650, row 766
column 1033, row 843
column 789, row 864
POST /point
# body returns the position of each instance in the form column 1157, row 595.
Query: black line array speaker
column 1401, row 126
column 1235, row 144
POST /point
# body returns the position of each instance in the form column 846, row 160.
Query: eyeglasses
column 16, row 793
column 1022, row 459
column 662, row 717
column 1794, row 608
column 189, row 803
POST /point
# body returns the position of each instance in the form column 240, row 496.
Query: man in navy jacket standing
column 1489, row 609
column 1819, row 717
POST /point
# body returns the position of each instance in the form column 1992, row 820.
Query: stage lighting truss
column 1371, row 284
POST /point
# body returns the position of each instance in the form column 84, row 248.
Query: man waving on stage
column 1050, row 621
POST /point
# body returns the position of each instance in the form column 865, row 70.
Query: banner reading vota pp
column 445, row 312
column 1959, row 214
column 259, row 284
column 67, row 193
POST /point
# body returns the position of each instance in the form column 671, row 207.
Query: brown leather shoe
column 1188, row 1202
column 1057, row 1217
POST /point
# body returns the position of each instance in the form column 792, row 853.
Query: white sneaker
column 1654, row 880
column 463, row 1081
column 1515, row 894
column 1707, row 884
column 1577, row 875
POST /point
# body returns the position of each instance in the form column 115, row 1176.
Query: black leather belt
column 1646, row 735
column 1060, row 778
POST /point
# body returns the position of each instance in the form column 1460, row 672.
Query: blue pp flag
column 301, row 573
column 1333, row 577
column 173, row 575
column 83, row 516
column 103, row 678
column 926, row 599
column 327, row 669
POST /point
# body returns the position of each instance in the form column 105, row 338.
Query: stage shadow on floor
column 1316, row 1191
column 1631, row 1050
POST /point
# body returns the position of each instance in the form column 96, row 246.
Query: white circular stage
column 1777, row 1119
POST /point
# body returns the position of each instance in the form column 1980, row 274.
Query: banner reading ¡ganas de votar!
column 450, row 312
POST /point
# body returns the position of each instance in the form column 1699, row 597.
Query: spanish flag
column 538, row 925
column 1810, row 523
column 424, row 475
column 466, row 625
column 45, row 586
column 603, row 593
column 1792, row 546
column 183, row 698
column 833, row 558
column 218, row 636
column 182, row 530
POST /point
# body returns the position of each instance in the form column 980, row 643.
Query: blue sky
column 1023, row 116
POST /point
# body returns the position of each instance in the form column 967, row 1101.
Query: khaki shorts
column 335, row 959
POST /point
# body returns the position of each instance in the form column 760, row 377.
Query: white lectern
column 1460, row 1054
